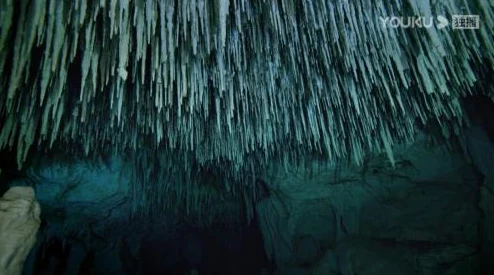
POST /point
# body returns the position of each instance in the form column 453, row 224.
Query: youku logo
column 413, row 22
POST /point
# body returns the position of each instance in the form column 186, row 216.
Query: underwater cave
column 297, row 137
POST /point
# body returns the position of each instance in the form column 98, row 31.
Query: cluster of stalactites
column 226, row 79
column 203, row 195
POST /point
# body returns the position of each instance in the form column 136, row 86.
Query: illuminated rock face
column 19, row 223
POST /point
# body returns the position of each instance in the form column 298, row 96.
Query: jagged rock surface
column 422, row 217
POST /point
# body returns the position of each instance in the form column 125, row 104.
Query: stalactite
column 235, row 80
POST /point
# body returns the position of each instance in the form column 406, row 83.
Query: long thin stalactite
column 233, row 81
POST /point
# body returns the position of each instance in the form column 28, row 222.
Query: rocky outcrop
column 91, row 225
column 85, row 206
column 418, row 218
column 19, row 223
column 481, row 149
column 427, row 215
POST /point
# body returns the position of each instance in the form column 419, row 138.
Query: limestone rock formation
column 423, row 217
column 234, row 136
column 19, row 223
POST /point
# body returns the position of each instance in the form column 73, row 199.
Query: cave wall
column 90, row 225
column 215, row 90
column 430, row 215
